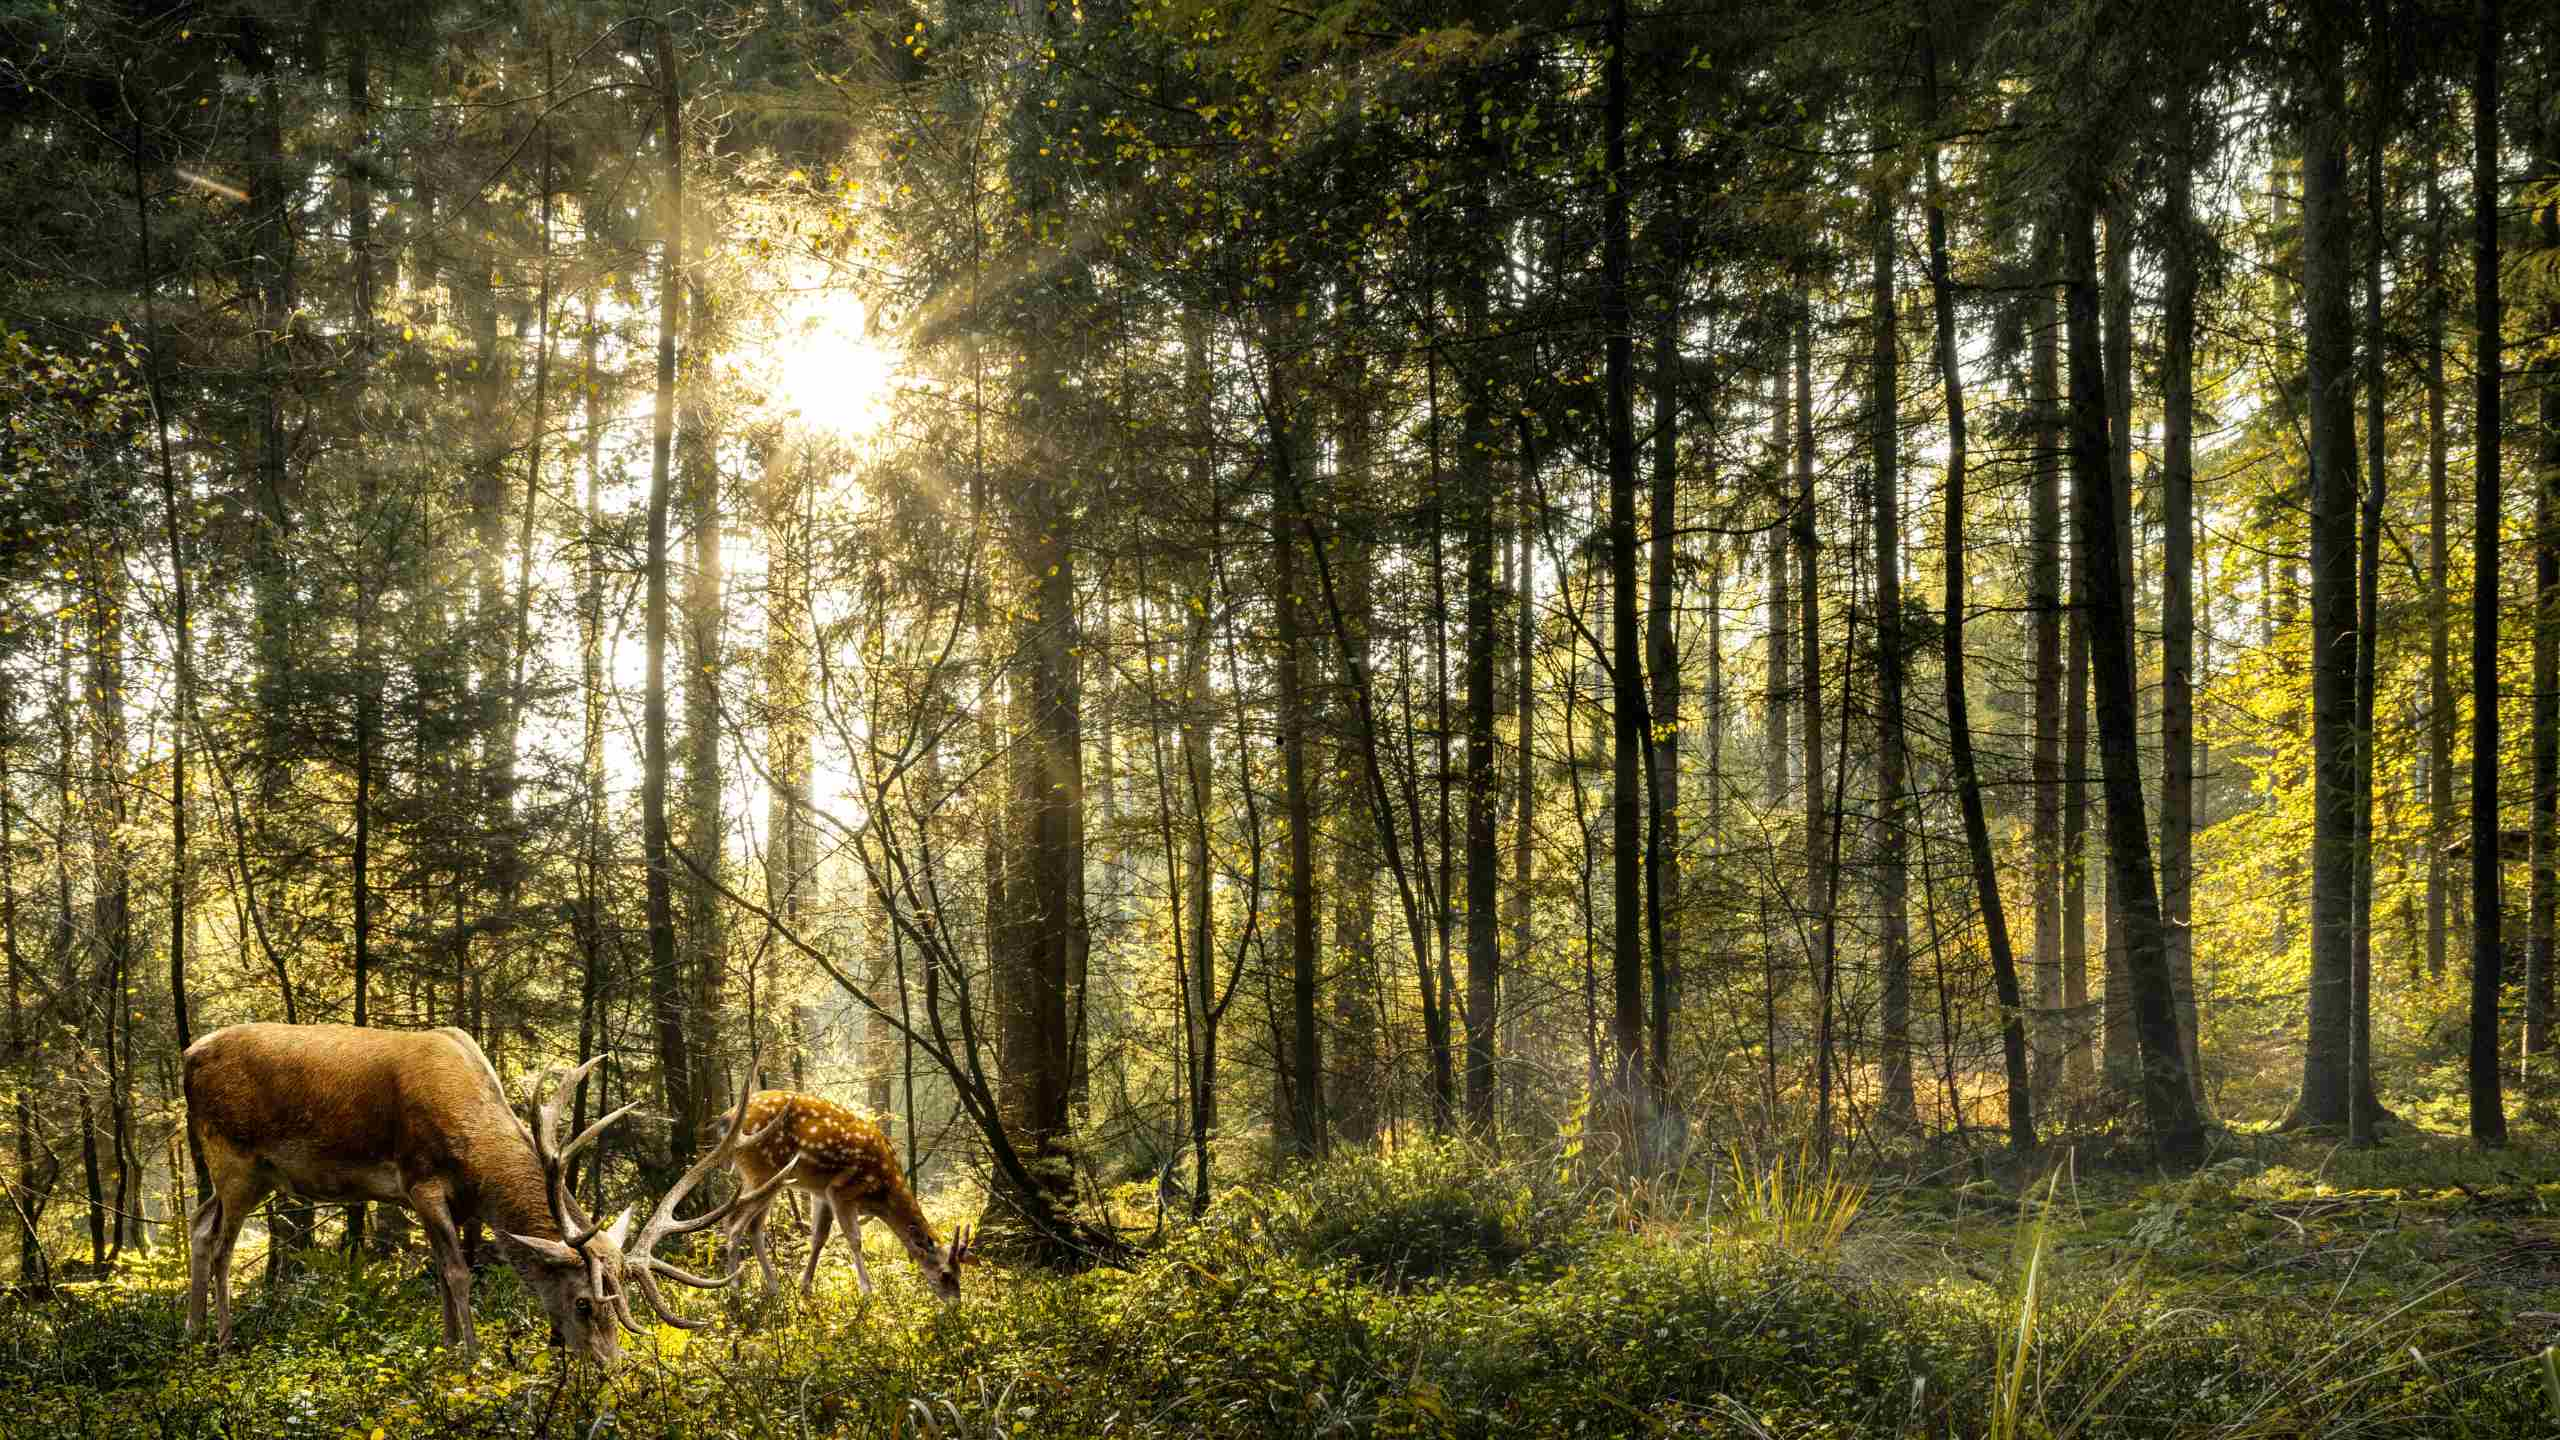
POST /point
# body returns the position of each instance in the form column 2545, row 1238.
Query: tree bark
column 1779, row 697
column 2052, row 857
column 2119, row 1049
column 2488, row 1106
column 2361, row 1110
column 1821, row 875
column 1968, row 779
column 1893, row 940
column 1305, row 1095
column 1627, row 1026
column 2178, row 566
column 2440, row 698
column 2168, row 1099
column 703, row 961
column 1662, row 661
column 666, row 978
column 2329, row 348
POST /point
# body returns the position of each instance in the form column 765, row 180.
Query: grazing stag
column 850, row 1173
column 417, row 1118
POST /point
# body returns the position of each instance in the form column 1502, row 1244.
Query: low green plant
column 1794, row 1200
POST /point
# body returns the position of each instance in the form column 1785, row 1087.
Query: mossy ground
column 2292, row 1288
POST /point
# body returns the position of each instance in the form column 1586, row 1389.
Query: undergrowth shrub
column 1446, row 1211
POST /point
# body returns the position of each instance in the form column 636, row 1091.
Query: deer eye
column 586, row 1306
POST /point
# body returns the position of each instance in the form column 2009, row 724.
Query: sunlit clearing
column 829, row 373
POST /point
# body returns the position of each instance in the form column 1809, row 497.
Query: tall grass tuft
column 1795, row 1202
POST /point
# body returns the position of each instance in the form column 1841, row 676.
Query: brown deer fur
column 850, row 1173
column 417, row 1118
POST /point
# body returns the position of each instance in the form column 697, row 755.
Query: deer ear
column 551, row 1251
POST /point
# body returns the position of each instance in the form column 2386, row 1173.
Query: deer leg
column 220, row 1219
column 821, row 1223
column 849, row 1220
column 200, row 1248
column 453, row 1267
column 764, row 1258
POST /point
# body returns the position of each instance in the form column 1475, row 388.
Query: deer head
column 579, row 1277
column 585, row 1279
column 942, row 1272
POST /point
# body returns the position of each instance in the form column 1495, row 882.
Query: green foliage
column 1272, row 1319
column 1448, row 1211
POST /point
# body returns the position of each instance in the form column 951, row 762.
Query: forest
column 1545, row 717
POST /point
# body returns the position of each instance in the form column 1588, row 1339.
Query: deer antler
column 642, row 1268
column 555, row 1158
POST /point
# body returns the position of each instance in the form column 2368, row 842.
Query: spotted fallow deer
column 850, row 1172
column 417, row 1118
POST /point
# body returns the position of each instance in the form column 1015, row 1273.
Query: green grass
column 1444, row 1293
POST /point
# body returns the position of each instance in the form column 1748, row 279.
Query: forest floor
column 2291, row 1288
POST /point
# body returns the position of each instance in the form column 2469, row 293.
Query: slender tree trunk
column 2052, row 857
column 666, row 978
column 704, row 941
column 1779, row 701
column 1893, row 941
column 182, row 661
column 2539, row 976
column 1525, row 725
column 2440, row 698
column 1968, row 779
column 2178, row 566
column 2488, row 1106
column 1627, row 749
column 2544, row 912
column 592, row 866
column 2080, row 1023
column 1305, row 1095
column 2368, row 583
column 2119, row 1048
column 2168, row 1098
column 1821, row 874
column 28, row 1197
column 1359, row 1080
column 1662, row 659
column 2329, row 346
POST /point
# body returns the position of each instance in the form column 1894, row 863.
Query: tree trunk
column 2488, row 1106
column 29, row 1194
column 2079, row 1023
column 1893, row 940
column 666, row 978
column 1779, row 700
column 182, row 659
column 2178, row 567
column 704, row 957
column 1627, row 1026
column 1662, row 659
column 2329, row 339
column 592, row 859
column 1305, row 1092
column 2361, row 1111
column 1968, row 779
column 790, row 850
column 1819, row 850
column 2168, row 1098
column 1359, row 1080
column 2440, row 699
column 2539, row 980
column 2051, row 860
column 2119, row 1048
column 1524, row 816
